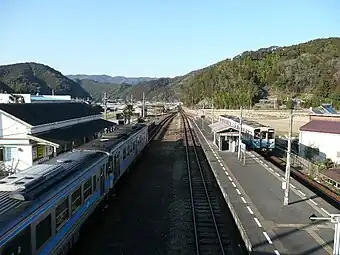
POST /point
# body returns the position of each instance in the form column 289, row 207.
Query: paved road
column 255, row 192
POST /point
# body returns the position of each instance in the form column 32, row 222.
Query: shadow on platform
column 308, row 250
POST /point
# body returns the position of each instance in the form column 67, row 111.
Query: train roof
column 250, row 123
column 108, row 141
column 24, row 192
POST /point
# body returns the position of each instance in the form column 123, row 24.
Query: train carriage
column 255, row 135
column 43, row 207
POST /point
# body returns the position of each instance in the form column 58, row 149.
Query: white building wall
column 11, row 128
column 17, row 157
column 24, row 157
column 14, row 142
column 328, row 144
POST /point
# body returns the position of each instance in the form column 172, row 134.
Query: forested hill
column 28, row 77
column 309, row 70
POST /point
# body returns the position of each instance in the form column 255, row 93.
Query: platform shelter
column 224, row 137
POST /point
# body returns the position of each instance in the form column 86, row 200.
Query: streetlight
column 212, row 104
column 240, row 135
column 334, row 218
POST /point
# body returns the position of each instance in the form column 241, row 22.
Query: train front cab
column 264, row 139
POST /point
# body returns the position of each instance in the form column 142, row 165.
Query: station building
column 320, row 137
column 225, row 137
column 33, row 133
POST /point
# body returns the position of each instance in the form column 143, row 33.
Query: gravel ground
column 150, row 213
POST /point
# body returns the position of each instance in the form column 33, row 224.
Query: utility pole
column 212, row 104
column 289, row 150
column 240, row 135
column 143, row 107
column 105, row 105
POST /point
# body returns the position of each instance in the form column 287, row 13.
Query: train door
column 110, row 170
column 135, row 147
column 257, row 139
column 117, row 165
column 271, row 138
column 263, row 140
column 102, row 180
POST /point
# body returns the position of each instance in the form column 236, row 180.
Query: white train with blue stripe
column 43, row 207
column 255, row 135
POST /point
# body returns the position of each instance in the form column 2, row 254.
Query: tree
column 127, row 113
column 307, row 68
column 290, row 104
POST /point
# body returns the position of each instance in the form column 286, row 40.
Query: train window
column 124, row 153
column 257, row 133
column 75, row 200
column 94, row 183
column 20, row 244
column 263, row 135
column 110, row 164
column 43, row 232
column 270, row 135
column 87, row 188
column 61, row 213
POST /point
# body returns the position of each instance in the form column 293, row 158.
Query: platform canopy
column 219, row 126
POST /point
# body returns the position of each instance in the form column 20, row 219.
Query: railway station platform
column 255, row 197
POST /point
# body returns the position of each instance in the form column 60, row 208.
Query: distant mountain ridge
column 34, row 77
column 301, row 70
column 109, row 79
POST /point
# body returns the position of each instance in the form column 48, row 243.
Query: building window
column 2, row 154
column 10, row 153
column 61, row 213
column 75, row 200
column 43, row 232
column 87, row 188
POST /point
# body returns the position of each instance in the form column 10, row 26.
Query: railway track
column 150, row 212
column 208, row 239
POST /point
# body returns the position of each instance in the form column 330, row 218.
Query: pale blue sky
column 154, row 38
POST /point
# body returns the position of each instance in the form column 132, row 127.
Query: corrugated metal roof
column 43, row 113
column 322, row 126
column 76, row 132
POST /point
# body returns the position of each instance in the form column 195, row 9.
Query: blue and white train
column 255, row 135
column 43, row 207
